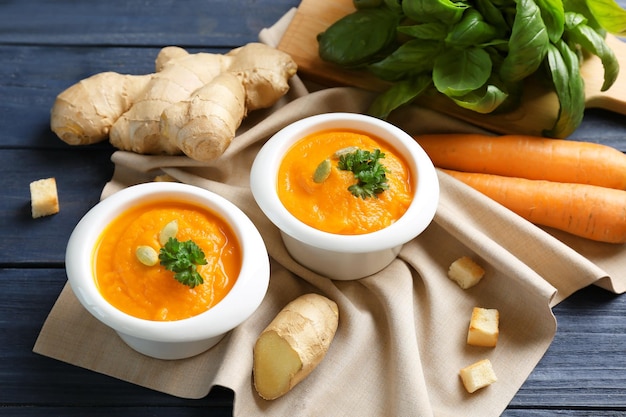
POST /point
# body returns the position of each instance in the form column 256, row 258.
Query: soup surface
column 329, row 205
column 152, row 292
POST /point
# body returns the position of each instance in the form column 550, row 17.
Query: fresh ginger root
column 293, row 344
column 192, row 104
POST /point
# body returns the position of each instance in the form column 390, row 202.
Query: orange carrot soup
column 150, row 291
column 315, row 190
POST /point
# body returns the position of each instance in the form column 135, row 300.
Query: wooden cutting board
column 539, row 108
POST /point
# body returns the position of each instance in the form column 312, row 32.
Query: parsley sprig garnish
column 368, row 171
column 182, row 258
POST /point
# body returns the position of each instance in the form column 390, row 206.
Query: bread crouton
column 484, row 327
column 465, row 272
column 44, row 198
column 478, row 375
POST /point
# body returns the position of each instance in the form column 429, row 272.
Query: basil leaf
column 485, row 100
column 399, row 94
column 590, row 40
column 366, row 4
column 423, row 11
column 580, row 7
column 358, row 37
column 569, row 86
column 426, row 31
column 471, row 30
column 609, row 15
column 493, row 15
column 394, row 5
column 457, row 72
column 412, row 57
column 528, row 43
column 553, row 15
column 573, row 19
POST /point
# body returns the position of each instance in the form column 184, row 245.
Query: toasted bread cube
column 465, row 272
column 484, row 327
column 478, row 375
column 44, row 198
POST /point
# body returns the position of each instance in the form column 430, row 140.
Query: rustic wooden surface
column 47, row 46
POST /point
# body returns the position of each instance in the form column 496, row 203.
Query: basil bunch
column 478, row 53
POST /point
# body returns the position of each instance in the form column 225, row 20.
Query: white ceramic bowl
column 170, row 339
column 345, row 257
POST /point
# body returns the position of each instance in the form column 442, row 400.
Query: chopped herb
column 182, row 258
column 368, row 171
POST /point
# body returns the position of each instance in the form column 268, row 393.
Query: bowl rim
column 250, row 286
column 418, row 216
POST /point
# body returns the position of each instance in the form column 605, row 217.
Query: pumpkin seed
column 322, row 171
column 147, row 255
column 168, row 231
column 344, row 151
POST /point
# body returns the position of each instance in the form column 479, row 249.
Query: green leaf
column 368, row 171
column 470, row 30
column 609, row 15
column 401, row 93
column 528, row 43
column 427, row 31
column 423, row 11
column 413, row 57
column 570, row 89
column 182, row 259
column 394, row 5
column 580, row 7
column 590, row 40
column 486, row 100
column 458, row 72
column 553, row 15
column 359, row 37
column 493, row 15
column 366, row 4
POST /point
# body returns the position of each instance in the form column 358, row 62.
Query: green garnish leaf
column 182, row 258
column 370, row 174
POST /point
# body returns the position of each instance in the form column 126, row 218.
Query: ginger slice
column 293, row 344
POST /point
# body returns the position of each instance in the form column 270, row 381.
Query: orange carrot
column 589, row 211
column 528, row 157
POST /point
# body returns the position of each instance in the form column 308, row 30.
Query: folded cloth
column 402, row 332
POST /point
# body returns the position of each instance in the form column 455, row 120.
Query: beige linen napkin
column 401, row 337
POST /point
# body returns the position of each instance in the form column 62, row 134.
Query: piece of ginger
column 192, row 104
column 293, row 344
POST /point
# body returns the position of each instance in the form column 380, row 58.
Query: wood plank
column 194, row 410
column 29, row 93
column 585, row 366
column 215, row 23
column 602, row 126
column 30, row 379
column 547, row 412
column 80, row 175
column 47, row 46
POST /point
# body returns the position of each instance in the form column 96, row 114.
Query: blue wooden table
column 47, row 46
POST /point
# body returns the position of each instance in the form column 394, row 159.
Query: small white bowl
column 345, row 257
column 180, row 338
